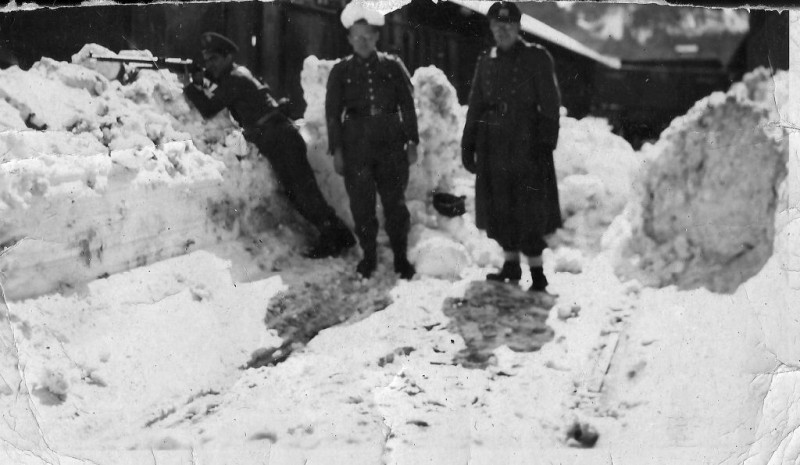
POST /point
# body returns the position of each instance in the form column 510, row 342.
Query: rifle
column 169, row 63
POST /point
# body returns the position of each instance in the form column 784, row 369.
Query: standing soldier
column 508, row 142
column 372, row 132
column 252, row 106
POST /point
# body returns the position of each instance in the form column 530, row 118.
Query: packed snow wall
column 98, row 177
column 705, row 210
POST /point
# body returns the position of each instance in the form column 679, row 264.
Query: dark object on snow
column 264, row 357
column 584, row 433
column 449, row 205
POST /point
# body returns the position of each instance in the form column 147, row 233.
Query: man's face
column 505, row 34
column 363, row 38
column 216, row 62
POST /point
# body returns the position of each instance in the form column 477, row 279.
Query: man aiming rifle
column 221, row 84
column 252, row 106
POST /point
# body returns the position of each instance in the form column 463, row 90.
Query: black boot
column 343, row 239
column 368, row 264
column 332, row 244
column 323, row 249
column 404, row 268
column 511, row 271
column 539, row 279
column 401, row 264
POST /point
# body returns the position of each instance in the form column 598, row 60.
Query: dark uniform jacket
column 512, row 126
column 249, row 100
column 379, row 85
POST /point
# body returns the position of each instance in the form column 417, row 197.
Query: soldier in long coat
column 508, row 142
column 373, row 136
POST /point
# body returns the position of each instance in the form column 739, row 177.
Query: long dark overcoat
column 512, row 127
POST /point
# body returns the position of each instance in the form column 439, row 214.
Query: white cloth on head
column 357, row 10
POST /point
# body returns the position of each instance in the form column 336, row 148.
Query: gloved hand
column 468, row 158
column 338, row 162
column 198, row 77
column 411, row 152
column 285, row 106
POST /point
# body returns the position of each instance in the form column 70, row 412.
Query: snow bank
column 314, row 78
column 705, row 213
column 186, row 308
column 98, row 177
column 595, row 169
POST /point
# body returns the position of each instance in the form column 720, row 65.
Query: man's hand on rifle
column 192, row 75
column 198, row 77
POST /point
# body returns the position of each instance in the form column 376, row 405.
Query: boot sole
column 499, row 279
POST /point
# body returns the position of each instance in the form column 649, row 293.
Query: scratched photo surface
column 187, row 278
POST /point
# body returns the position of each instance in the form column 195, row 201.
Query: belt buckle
column 374, row 111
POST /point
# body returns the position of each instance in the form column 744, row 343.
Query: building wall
column 275, row 38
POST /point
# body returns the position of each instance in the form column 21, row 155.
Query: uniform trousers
column 375, row 163
column 284, row 147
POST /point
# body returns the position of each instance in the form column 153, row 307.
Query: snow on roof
column 542, row 30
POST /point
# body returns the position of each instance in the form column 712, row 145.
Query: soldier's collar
column 519, row 44
column 370, row 59
column 229, row 70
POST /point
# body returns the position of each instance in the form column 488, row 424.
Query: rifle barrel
column 155, row 61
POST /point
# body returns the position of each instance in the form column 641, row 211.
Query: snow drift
column 97, row 177
column 706, row 206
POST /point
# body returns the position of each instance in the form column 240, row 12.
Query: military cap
column 505, row 12
column 356, row 11
column 217, row 43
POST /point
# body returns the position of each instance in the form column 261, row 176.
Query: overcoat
column 512, row 129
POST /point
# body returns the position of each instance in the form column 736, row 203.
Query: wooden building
column 274, row 37
column 640, row 98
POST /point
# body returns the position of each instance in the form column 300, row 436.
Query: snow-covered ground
column 148, row 262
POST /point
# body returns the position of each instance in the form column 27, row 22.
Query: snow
column 117, row 167
column 169, row 247
column 725, row 147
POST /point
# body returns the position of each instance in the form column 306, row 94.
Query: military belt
column 273, row 117
column 270, row 117
column 372, row 110
column 499, row 107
